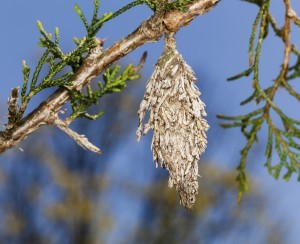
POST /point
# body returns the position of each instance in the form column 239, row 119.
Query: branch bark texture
column 150, row 30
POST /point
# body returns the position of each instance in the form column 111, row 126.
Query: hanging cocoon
column 176, row 118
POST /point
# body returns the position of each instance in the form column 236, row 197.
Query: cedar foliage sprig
column 113, row 81
column 57, row 62
column 178, row 4
column 283, row 139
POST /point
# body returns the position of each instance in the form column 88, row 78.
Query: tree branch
column 150, row 30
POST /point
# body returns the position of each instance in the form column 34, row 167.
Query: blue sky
column 215, row 45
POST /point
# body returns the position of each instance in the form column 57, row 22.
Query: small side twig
column 81, row 140
column 12, row 107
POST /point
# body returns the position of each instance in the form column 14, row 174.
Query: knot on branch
column 94, row 52
column 153, row 27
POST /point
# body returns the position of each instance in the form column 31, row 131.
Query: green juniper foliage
column 179, row 4
column 282, row 138
column 58, row 61
column 113, row 82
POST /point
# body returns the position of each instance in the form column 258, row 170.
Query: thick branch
column 149, row 31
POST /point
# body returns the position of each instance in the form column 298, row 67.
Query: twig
column 12, row 107
column 80, row 139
